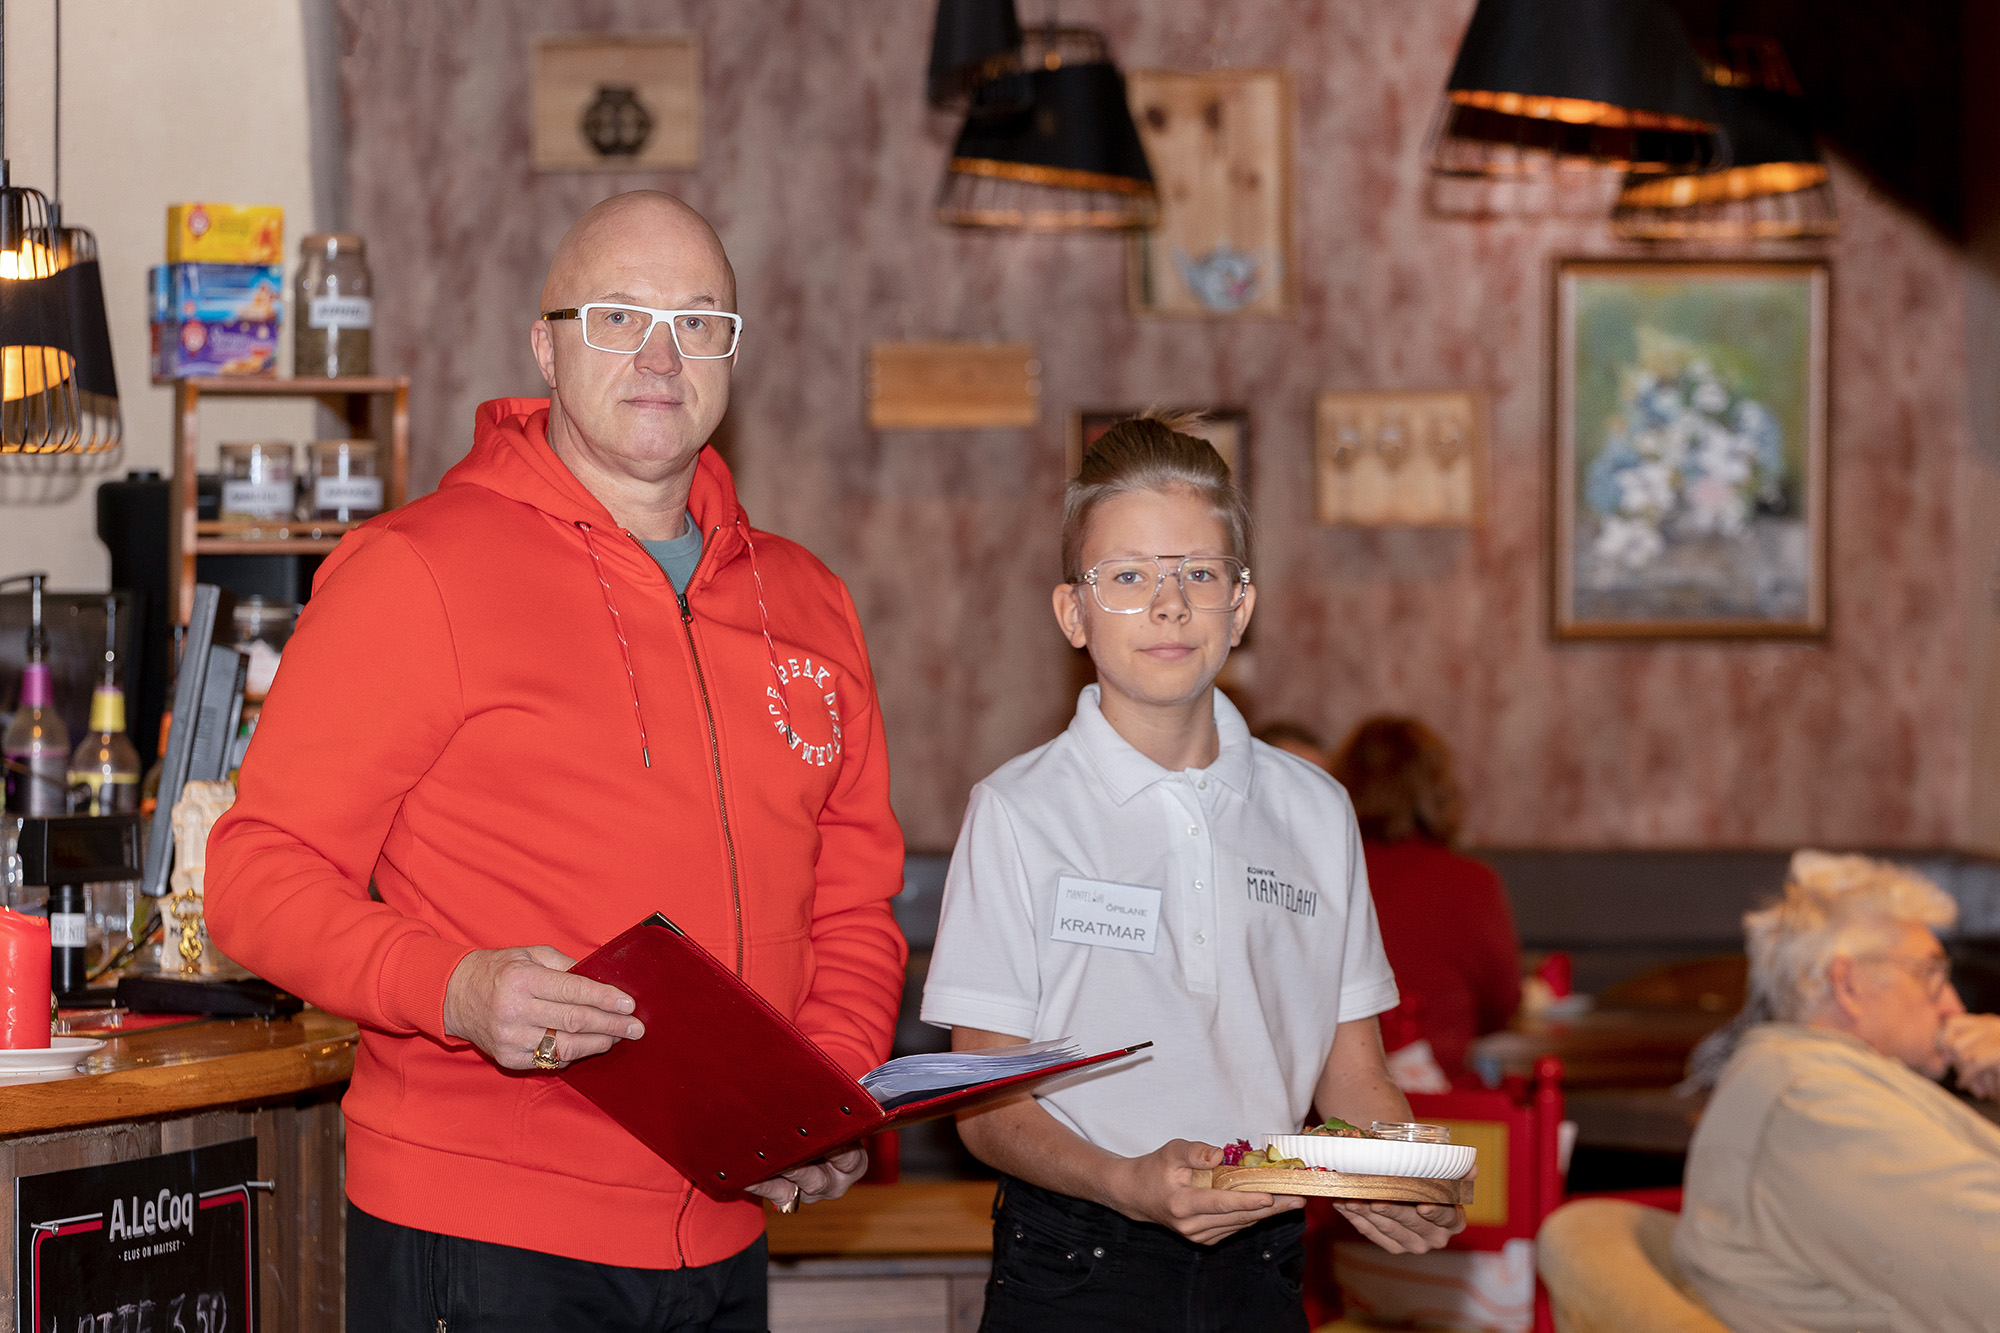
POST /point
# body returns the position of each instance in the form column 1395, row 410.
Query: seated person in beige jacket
column 1833, row 1186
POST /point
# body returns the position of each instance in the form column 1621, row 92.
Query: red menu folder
column 722, row 1086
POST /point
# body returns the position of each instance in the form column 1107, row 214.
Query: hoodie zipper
column 715, row 758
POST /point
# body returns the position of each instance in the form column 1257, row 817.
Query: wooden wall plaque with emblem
column 616, row 102
column 1220, row 145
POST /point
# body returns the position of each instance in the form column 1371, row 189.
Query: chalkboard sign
column 167, row 1243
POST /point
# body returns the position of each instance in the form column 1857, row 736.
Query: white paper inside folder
column 913, row 1077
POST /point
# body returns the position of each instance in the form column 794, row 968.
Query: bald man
column 571, row 688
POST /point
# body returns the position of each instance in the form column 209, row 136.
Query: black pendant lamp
column 1545, row 84
column 100, row 424
column 974, row 42
column 1776, row 186
column 58, row 391
column 1052, row 148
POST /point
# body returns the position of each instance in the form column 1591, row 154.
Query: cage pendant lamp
column 50, row 292
column 100, row 423
column 1052, row 148
column 1542, row 85
column 1776, row 187
column 973, row 43
column 39, row 409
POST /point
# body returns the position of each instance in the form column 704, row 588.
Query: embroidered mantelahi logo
column 1265, row 887
column 821, row 679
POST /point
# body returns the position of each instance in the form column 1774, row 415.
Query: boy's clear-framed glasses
column 1131, row 584
column 699, row 335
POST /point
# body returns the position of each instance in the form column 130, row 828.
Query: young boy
column 1153, row 873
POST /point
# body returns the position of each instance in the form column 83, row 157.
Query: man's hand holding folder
column 730, row 1094
column 508, row 1001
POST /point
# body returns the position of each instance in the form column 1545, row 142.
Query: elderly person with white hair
column 1832, row 1185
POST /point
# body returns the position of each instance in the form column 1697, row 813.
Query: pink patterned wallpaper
column 819, row 164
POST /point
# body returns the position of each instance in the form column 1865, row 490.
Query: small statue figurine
column 194, row 815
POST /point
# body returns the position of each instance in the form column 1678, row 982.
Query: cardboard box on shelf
column 225, row 234
column 216, row 319
column 194, row 347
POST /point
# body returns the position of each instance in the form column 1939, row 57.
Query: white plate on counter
column 62, row 1054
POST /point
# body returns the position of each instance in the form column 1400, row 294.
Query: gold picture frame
column 1688, row 468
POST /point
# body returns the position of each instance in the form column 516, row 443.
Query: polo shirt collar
column 1127, row 772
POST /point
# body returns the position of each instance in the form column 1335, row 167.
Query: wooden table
column 1605, row 1048
column 1634, row 1119
column 911, row 1257
column 171, row 1089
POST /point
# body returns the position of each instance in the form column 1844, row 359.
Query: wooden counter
column 169, row 1089
column 158, row 1071
column 912, row 1256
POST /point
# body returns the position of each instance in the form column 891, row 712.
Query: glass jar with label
column 345, row 486
column 263, row 627
column 334, row 314
column 257, row 481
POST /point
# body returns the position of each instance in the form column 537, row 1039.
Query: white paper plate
column 1378, row 1157
column 63, row 1054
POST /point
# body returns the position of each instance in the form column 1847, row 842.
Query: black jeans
column 1064, row 1265
column 400, row 1280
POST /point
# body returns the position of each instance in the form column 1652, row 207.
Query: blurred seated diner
column 1295, row 738
column 1833, row 1184
column 1446, row 924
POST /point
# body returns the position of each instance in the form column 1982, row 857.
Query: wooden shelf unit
column 369, row 402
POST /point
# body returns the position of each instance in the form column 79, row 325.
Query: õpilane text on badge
column 1107, row 915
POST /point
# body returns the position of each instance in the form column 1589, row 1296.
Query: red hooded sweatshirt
column 498, row 711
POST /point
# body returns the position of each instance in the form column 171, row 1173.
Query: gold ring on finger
column 545, row 1051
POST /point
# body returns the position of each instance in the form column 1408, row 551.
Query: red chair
column 1516, row 1128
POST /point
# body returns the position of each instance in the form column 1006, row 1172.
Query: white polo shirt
column 1222, row 913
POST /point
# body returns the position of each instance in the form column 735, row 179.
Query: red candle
column 24, row 982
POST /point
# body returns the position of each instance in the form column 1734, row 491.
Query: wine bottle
column 104, row 771
column 36, row 746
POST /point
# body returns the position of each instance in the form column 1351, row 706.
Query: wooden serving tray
column 1336, row 1184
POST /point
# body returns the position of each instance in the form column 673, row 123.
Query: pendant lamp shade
column 100, row 424
column 1776, row 187
column 38, row 399
column 1549, row 83
column 58, row 388
column 1068, row 160
column 974, row 42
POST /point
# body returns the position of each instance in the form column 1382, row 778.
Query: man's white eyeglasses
column 1128, row 586
column 699, row 335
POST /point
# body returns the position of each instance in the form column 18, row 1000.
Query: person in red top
column 1446, row 924
column 571, row 688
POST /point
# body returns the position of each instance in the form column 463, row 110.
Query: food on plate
column 1240, row 1153
column 1339, row 1129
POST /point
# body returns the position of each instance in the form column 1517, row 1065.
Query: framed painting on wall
column 1690, row 458
column 1220, row 146
column 1227, row 428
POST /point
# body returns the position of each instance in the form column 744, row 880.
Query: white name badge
column 1106, row 915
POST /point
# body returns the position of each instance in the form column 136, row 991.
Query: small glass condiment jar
column 345, row 486
column 333, row 317
column 257, row 481
column 1402, row 1132
column 262, row 630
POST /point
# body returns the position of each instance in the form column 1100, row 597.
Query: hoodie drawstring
column 624, row 647
column 770, row 648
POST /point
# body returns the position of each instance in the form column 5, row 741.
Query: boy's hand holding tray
column 729, row 1093
column 1352, row 1165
